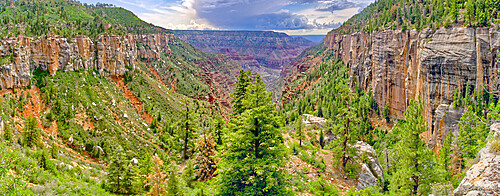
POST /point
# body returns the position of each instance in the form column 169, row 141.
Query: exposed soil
column 155, row 73
column 132, row 98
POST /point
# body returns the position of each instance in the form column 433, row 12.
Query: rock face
column 446, row 121
column 371, row 172
column 108, row 54
column 261, row 52
column 399, row 66
column 483, row 178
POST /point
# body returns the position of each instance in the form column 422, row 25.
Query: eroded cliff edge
column 398, row 66
column 108, row 54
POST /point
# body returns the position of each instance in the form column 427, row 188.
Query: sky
column 294, row 17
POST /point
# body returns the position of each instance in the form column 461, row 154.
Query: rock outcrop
column 371, row 172
column 313, row 120
column 430, row 65
column 108, row 54
column 483, row 178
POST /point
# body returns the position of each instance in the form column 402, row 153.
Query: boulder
column 313, row 120
column 371, row 172
column 134, row 161
column 483, row 178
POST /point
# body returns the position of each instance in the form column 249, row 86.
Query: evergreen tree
column 254, row 151
column 320, row 110
column 470, row 12
column 321, row 139
column 299, row 130
column 346, row 128
column 189, row 174
column 188, row 126
column 121, row 175
column 454, row 10
column 240, row 90
column 31, row 135
column 414, row 169
column 445, row 157
column 173, row 188
column 473, row 133
column 7, row 134
column 54, row 150
column 482, row 14
column 218, row 129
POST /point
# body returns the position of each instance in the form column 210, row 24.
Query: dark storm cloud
column 244, row 14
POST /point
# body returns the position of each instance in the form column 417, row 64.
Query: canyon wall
column 262, row 52
column 430, row 64
column 108, row 54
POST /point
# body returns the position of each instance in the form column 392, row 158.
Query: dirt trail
column 132, row 98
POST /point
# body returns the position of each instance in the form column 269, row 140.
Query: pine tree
column 473, row 133
column 454, row 10
column 299, row 130
column 347, row 129
column 470, row 12
column 320, row 110
column 218, row 129
column 414, row 169
column 188, row 126
column 254, row 151
column 31, row 135
column 156, row 179
column 321, row 139
column 173, row 188
column 189, row 174
column 7, row 134
column 445, row 157
column 121, row 175
column 240, row 90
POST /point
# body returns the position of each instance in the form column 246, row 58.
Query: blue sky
column 295, row 17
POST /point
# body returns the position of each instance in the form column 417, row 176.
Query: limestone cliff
column 483, row 178
column 398, row 66
column 108, row 54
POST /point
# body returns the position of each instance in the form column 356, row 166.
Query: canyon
column 261, row 52
column 429, row 65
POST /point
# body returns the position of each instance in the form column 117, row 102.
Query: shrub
column 495, row 145
column 320, row 186
column 447, row 24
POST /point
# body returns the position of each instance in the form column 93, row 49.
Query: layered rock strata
column 108, row 54
column 430, row 65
